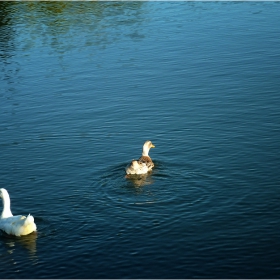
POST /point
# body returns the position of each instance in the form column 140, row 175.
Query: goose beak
column 153, row 146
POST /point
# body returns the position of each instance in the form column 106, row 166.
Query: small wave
column 158, row 187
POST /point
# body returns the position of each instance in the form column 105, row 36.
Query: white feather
column 14, row 225
column 136, row 167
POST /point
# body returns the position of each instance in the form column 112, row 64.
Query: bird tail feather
column 29, row 220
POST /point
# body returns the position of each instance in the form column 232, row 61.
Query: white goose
column 14, row 225
column 144, row 164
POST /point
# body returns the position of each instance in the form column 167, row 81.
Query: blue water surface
column 84, row 84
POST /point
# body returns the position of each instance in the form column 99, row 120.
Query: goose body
column 144, row 164
column 14, row 225
column 136, row 168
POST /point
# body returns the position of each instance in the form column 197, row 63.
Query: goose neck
column 6, row 207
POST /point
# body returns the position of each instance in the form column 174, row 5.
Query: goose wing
column 147, row 161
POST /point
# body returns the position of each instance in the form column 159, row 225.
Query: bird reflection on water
column 140, row 180
column 27, row 242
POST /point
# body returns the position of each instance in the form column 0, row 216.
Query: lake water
column 84, row 84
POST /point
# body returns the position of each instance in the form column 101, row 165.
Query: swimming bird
column 144, row 164
column 14, row 225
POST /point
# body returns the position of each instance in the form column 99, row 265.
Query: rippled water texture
column 84, row 84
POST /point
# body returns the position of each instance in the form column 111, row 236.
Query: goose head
column 146, row 148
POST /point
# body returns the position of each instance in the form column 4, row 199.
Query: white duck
column 14, row 225
column 144, row 164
